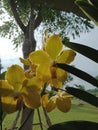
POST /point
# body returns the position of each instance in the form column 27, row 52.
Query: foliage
column 67, row 24
column 56, row 21
column 0, row 66
column 82, row 87
column 76, row 125
column 89, row 7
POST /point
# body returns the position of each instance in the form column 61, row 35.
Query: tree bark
column 13, row 6
column 28, row 46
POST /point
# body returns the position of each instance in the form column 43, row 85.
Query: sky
column 90, row 39
column 11, row 56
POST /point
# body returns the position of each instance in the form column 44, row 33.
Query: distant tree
column 96, row 77
column 2, row 74
column 81, row 87
column 69, row 79
column 0, row 66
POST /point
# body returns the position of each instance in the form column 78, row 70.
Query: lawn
column 79, row 111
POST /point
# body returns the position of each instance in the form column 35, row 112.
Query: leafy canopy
column 55, row 20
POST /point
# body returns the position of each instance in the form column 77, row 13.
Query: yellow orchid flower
column 45, row 60
column 16, row 89
column 48, row 104
column 31, row 72
column 61, row 100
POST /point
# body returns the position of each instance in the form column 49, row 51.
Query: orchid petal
column 48, row 104
column 31, row 98
column 67, row 56
column 43, row 72
column 34, row 82
column 55, row 83
column 66, row 95
column 5, row 88
column 15, row 76
column 39, row 57
column 25, row 61
column 9, row 104
column 61, row 75
column 51, row 104
column 44, row 100
column 31, row 93
column 63, row 104
column 54, row 46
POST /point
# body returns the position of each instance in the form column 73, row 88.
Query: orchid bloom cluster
column 30, row 87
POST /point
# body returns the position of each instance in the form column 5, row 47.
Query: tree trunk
column 28, row 46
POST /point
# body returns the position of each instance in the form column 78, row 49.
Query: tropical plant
column 90, row 8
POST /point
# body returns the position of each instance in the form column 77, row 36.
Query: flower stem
column 47, row 117
column 40, row 119
column 15, row 121
column 26, row 120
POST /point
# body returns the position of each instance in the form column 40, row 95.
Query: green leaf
column 79, row 73
column 75, row 125
column 89, row 10
column 94, row 2
column 84, row 50
column 85, row 96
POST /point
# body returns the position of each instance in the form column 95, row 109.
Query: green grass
column 82, row 112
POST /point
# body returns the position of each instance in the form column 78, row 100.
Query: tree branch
column 17, row 18
column 38, row 20
column 31, row 28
